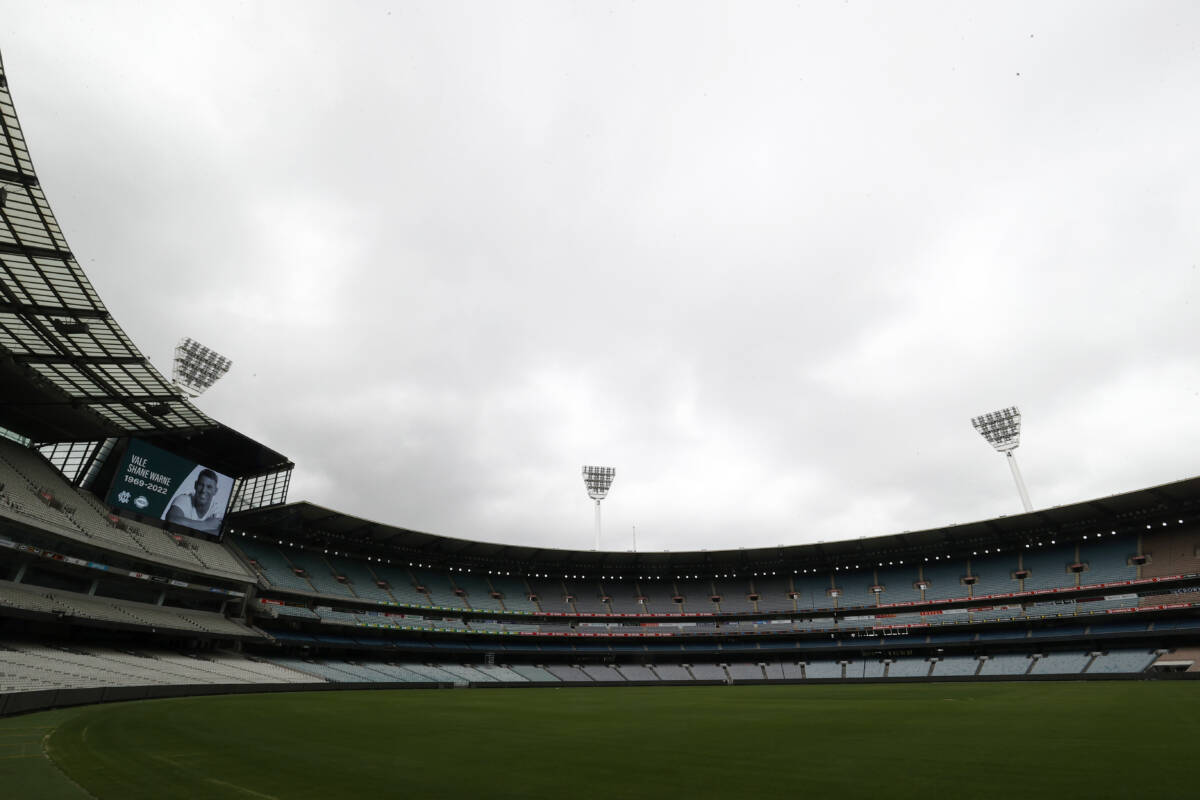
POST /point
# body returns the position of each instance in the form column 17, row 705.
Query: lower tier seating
column 31, row 667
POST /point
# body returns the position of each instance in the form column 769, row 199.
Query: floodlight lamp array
column 598, row 480
column 1002, row 428
column 197, row 367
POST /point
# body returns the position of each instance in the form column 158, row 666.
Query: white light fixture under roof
column 598, row 480
column 1002, row 429
column 197, row 367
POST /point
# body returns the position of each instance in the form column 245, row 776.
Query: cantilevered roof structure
column 67, row 370
column 1131, row 512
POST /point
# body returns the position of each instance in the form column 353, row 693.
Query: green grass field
column 980, row 740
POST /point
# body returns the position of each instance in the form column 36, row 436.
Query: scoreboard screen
column 154, row 483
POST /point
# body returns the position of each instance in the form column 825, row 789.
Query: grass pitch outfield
column 978, row 740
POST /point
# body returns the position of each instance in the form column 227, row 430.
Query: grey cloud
column 766, row 260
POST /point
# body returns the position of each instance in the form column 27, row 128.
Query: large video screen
column 154, row 483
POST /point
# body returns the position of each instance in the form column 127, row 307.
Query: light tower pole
column 1002, row 429
column 598, row 480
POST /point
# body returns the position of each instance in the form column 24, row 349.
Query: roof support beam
column 35, row 252
column 23, row 178
column 65, row 359
column 126, row 401
column 52, row 311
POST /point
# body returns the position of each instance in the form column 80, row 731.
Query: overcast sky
column 765, row 259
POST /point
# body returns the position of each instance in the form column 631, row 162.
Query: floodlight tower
column 1002, row 429
column 598, row 480
column 197, row 367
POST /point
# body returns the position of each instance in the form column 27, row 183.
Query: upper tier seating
column 318, row 572
column 856, row 589
column 945, row 580
column 1048, row 568
column 515, row 592
column 624, row 596
column 477, row 592
column 897, row 586
column 735, row 595
column 697, row 597
column 551, row 595
column 1172, row 551
column 1107, row 559
column 360, row 579
column 588, row 596
column 402, row 585
column 659, row 596
column 438, row 587
column 274, row 568
column 773, row 593
column 803, row 594
column 994, row 575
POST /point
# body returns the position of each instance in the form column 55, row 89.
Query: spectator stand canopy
column 312, row 525
column 67, row 369
column 70, row 379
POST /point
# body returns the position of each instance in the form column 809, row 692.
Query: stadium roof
column 1129, row 512
column 223, row 449
column 67, row 370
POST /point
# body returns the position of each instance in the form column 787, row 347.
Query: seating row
column 62, row 603
column 1124, row 661
column 401, row 621
column 28, row 667
column 295, row 569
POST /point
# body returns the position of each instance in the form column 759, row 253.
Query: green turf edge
column 26, row 771
column 916, row 740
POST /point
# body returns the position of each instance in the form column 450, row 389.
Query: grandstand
column 101, row 603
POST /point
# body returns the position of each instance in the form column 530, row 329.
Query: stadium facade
column 105, row 593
